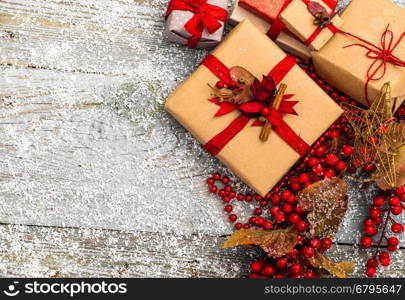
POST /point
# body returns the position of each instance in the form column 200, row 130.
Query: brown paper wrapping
column 284, row 40
column 299, row 21
column 346, row 69
column 259, row 164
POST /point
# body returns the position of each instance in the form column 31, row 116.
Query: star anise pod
column 323, row 20
column 321, row 15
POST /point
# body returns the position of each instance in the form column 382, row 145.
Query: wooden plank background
column 95, row 179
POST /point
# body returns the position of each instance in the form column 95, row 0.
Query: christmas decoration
column 296, row 219
column 380, row 139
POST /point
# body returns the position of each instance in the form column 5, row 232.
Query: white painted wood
column 65, row 252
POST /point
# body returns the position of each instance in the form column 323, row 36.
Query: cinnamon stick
column 266, row 130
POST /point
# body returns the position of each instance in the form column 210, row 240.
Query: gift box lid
column 259, row 164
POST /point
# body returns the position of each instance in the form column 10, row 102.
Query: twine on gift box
column 383, row 54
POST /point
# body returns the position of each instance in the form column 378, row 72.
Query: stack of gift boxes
column 250, row 105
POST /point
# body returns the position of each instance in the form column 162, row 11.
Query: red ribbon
column 277, row 27
column 205, row 16
column 381, row 55
column 218, row 142
column 332, row 5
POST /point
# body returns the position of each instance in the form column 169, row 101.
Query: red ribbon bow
column 205, row 16
column 381, row 56
column 217, row 143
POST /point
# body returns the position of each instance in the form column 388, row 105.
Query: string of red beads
column 381, row 214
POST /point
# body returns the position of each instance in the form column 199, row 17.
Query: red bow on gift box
column 249, row 109
column 205, row 16
column 381, row 55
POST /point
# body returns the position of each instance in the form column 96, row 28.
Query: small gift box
column 196, row 23
column 312, row 21
column 359, row 60
column 284, row 39
column 231, row 105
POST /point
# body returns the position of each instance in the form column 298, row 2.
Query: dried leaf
column 275, row 243
column 245, row 79
column 327, row 202
column 336, row 269
column 316, row 8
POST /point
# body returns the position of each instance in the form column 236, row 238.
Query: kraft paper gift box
column 298, row 19
column 176, row 32
column 285, row 40
column 259, row 164
column 346, row 68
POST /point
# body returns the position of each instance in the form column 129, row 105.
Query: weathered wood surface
column 67, row 252
column 84, row 141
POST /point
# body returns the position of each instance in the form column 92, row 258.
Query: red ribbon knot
column 206, row 16
column 381, row 56
column 275, row 117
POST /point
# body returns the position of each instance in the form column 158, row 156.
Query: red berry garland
column 278, row 209
column 381, row 211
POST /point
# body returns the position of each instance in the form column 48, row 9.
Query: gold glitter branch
column 379, row 138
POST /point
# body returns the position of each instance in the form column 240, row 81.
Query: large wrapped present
column 232, row 106
column 369, row 52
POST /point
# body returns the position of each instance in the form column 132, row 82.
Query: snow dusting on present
column 85, row 141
